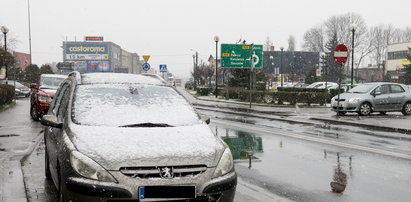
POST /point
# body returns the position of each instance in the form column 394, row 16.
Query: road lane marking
column 313, row 139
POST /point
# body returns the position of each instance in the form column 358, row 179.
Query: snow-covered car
column 20, row 89
column 127, row 137
column 367, row 98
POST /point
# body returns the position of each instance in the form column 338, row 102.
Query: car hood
column 50, row 92
column 115, row 147
column 353, row 95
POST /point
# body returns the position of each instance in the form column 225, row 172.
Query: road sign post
column 340, row 57
column 146, row 66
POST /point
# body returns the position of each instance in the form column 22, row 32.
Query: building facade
column 397, row 56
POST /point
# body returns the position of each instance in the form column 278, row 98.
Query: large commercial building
column 396, row 60
column 99, row 56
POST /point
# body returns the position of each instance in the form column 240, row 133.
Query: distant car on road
column 43, row 93
column 322, row 85
column 127, row 137
column 20, row 89
column 367, row 98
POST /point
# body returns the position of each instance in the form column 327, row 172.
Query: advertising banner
column 86, row 51
column 98, row 66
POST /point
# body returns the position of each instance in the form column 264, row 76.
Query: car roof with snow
column 108, row 78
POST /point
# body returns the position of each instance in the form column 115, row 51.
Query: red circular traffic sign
column 340, row 54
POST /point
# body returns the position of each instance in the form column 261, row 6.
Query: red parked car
column 42, row 94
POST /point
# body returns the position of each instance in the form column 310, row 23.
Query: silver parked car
column 374, row 97
column 126, row 137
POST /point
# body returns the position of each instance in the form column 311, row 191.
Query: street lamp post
column 281, row 66
column 353, row 27
column 324, row 64
column 5, row 30
column 216, row 39
column 272, row 66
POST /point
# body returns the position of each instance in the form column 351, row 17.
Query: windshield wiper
column 147, row 125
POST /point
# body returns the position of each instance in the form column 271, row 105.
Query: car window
column 125, row 104
column 50, row 82
column 383, row 89
column 63, row 102
column 397, row 89
column 363, row 88
column 57, row 98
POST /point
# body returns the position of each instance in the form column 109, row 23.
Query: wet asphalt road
column 289, row 167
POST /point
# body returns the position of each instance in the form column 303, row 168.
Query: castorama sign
column 86, row 51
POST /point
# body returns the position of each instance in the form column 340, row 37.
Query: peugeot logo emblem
column 166, row 172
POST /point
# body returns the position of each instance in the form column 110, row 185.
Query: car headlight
column 88, row 168
column 225, row 165
column 43, row 98
column 353, row 100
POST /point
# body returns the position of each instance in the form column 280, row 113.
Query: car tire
column 406, row 109
column 33, row 112
column 46, row 165
column 365, row 109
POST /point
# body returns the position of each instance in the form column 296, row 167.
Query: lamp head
column 216, row 38
column 4, row 29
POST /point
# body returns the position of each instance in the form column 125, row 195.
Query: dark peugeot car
column 20, row 89
column 42, row 94
column 127, row 137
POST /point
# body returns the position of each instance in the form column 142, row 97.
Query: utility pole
column 251, row 70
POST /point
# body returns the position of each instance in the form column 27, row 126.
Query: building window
column 398, row 55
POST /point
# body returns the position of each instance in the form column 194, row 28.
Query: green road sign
column 238, row 56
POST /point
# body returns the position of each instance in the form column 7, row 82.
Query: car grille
column 154, row 172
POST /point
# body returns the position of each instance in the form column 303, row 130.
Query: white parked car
column 322, row 85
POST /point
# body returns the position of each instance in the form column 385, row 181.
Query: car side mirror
column 33, row 85
column 51, row 120
column 206, row 119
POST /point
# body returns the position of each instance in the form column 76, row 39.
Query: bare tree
column 406, row 36
column 381, row 36
column 291, row 43
column 314, row 39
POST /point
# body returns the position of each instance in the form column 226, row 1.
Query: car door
column 51, row 135
column 381, row 99
column 397, row 97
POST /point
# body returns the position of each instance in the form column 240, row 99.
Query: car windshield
column 50, row 82
column 363, row 88
column 131, row 105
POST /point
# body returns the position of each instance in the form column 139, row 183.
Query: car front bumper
column 80, row 189
column 345, row 106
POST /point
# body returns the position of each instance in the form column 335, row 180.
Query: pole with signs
column 251, row 70
column 340, row 57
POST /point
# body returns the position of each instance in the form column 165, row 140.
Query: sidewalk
column 11, row 178
column 393, row 122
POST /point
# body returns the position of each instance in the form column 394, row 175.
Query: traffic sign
column 238, row 56
column 146, row 57
column 146, row 66
column 163, row 68
column 340, row 54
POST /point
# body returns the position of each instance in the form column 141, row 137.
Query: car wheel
column 46, row 167
column 406, row 109
column 33, row 112
column 365, row 109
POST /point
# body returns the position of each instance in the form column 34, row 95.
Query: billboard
column 88, row 66
column 86, row 51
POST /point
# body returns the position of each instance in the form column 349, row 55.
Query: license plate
column 148, row 193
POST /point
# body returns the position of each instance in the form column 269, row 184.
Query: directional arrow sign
column 238, row 56
column 146, row 66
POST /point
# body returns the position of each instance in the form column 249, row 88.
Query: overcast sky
column 168, row 29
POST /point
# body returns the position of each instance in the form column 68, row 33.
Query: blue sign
column 163, row 68
column 146, row 66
